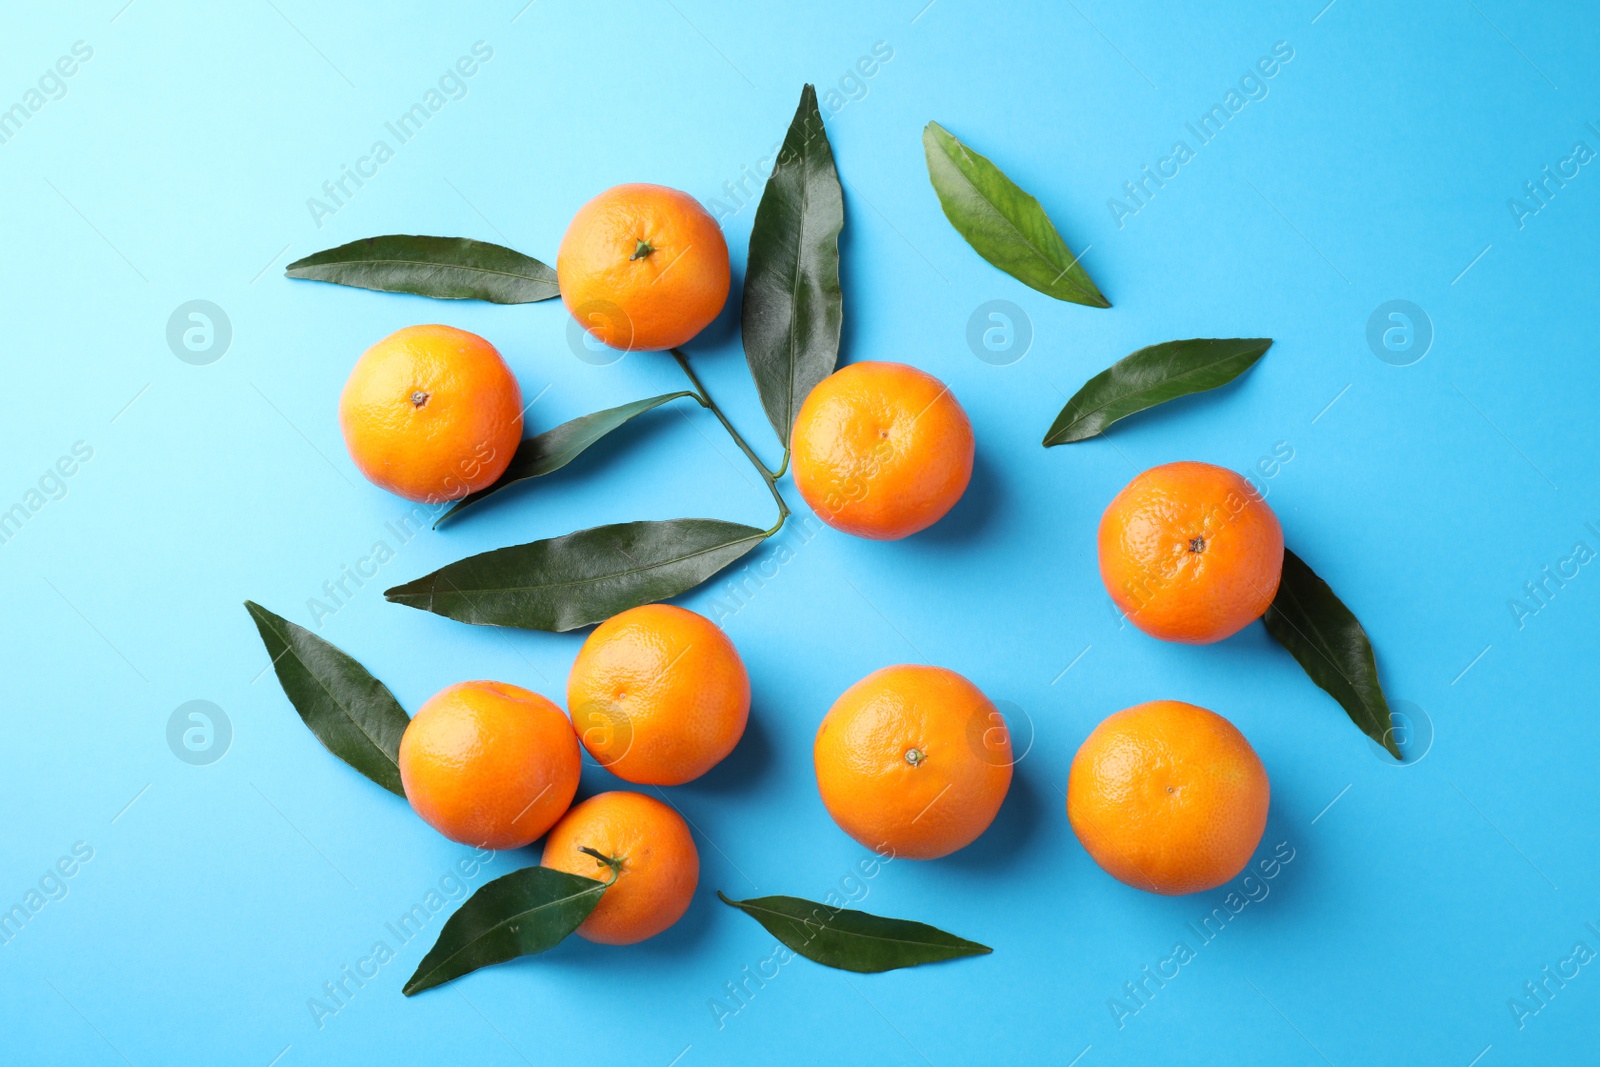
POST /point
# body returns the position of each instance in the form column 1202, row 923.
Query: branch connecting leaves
column 793, row 315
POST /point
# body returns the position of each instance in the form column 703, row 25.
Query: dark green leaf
column 1320, row 632
column 1153, row 376
column 519, row 914
column 853, row 940
column 793, row 304
column 554, row 449
column 581, row 578
column 446, row 268
column 352, row 713
column 1002, row 223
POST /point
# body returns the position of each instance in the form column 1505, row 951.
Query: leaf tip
column 1390, row 745
column 1066, row 431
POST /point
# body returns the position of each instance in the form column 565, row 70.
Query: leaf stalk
column 613, row 862
column 768, row 476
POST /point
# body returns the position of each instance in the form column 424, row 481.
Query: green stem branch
column 610, row 861
column 770, row 477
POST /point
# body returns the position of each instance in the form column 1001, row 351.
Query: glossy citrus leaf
column 519, row 914
column 580, row 578
column 1323, row 635
column 555, row 448
column 793, row 303
column 1153, row 376
column 1003, row 224
column 853, row 940
column 446, row 268
column 352, row 713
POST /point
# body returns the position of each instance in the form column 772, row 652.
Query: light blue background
column 220, row 898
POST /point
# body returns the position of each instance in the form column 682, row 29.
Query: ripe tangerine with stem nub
column 913, row 761
column 881, row 450
column 431, row 413
column 1190, row 552
column 649, row 847
column 643, row 267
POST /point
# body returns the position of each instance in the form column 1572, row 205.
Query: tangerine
column 431, row 413
column 1168, row 797
column 913, row 761
column 643, row 267
column 881, row 450
column 657, row 864
column 489, row 764
column 658, row 695
column 1190, row 552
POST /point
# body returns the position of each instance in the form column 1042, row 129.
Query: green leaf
column 853, row 940
column 554, row 449
column 1320, row 632
column 352, row 713
column 1153, row 376
column 446, row 268
column 519, row 914
column 581, row 578
column 793, row 304
column 1002, row 223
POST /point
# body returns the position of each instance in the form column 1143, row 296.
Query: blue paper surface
column 1341, row 165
